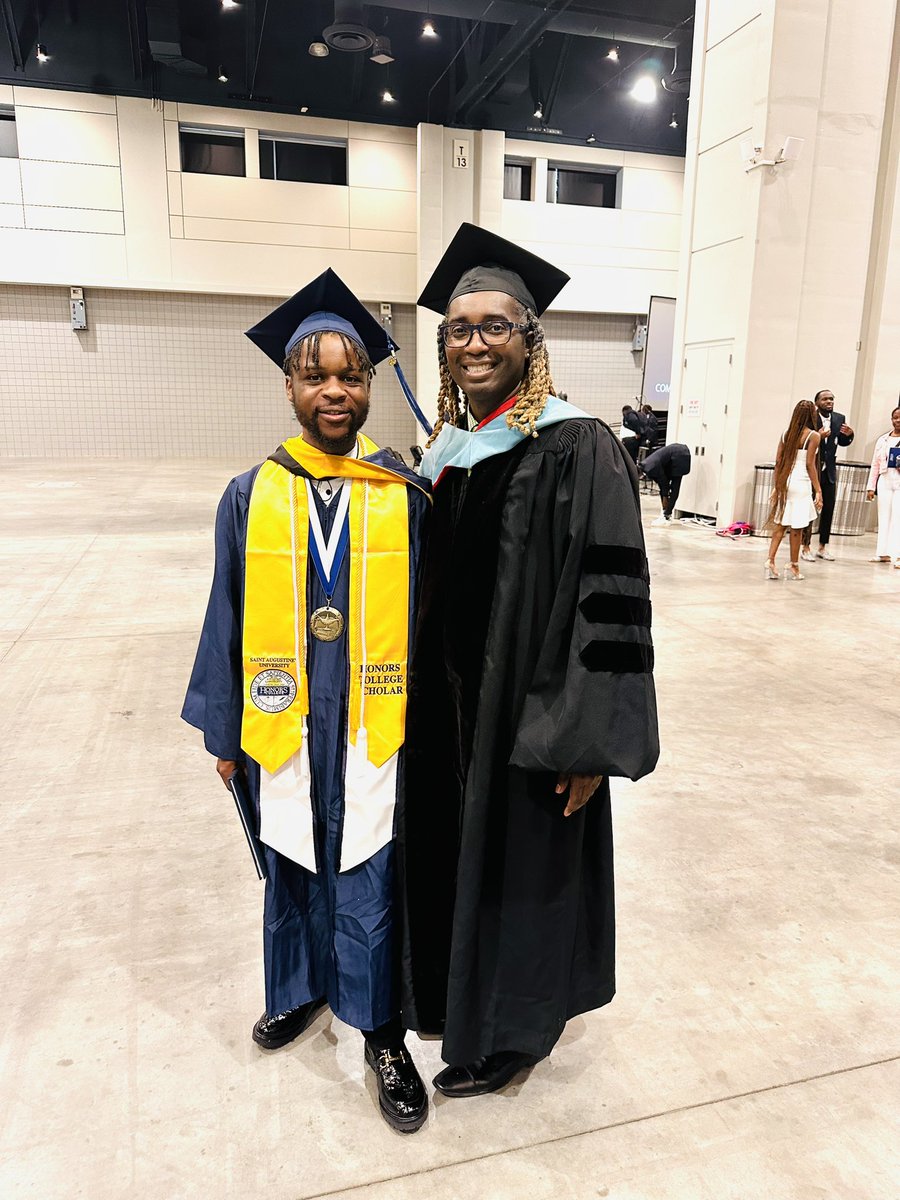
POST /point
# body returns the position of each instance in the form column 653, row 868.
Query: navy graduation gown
column 330, row 934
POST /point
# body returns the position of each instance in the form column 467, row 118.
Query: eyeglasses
column 493, row 333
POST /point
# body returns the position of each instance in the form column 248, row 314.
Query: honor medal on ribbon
column 326, row 624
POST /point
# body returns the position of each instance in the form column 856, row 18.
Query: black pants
column 829, row 491
column 669, row 488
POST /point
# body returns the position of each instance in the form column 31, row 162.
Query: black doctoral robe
column 533, row 657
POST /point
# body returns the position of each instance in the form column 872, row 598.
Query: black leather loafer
column 401, row 1093
column 484, row 1075
column 272, row 1032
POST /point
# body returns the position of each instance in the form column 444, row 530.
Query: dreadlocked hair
column 536, row 386
column 306, row 354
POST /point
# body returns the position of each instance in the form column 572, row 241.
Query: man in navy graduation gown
column 531, row 684
column 328, row 929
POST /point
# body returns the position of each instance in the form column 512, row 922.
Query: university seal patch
column 273, row 691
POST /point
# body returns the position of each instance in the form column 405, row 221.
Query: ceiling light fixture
column 381, row 52
column 223, row 77
column 226, row 4
column 539, row 111
column 644, row 90
column 428, row 30
column 387, row 97
column 613, row 54
column 673, row 124
column 304, row 108
column 590, row 139
column 41, row 53
column 318, row 50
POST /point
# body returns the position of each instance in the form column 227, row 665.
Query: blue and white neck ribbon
column 407, row 390
column 465, row 448
column 327, row 554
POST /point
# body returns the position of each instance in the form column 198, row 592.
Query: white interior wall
column 618, row 257
column 775, row 262
column 877, row 384
column 591, row 360
column 159, row 375
column 97, row 198
column 105, row 172
column 108, row 169
column 884, row 394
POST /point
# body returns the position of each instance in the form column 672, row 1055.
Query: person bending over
column 667, row 466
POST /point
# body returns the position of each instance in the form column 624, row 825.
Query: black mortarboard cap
column 325, row 305
column 480, row 261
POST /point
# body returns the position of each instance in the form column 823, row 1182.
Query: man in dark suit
column 834, row 432
column 634, row 423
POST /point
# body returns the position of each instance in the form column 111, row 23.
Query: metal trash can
column 763, row 482
column 850, row 512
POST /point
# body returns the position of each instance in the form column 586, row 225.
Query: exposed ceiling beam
column 252, row 45
column 473, row 48
column 12, row 34
column 356, row 79
column 558, row 70
column 512, row 46
column 137, row 37
column 627, row 26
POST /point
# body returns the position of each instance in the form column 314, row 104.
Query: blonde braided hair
column 532, row 393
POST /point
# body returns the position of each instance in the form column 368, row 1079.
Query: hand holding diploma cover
column 237, row 785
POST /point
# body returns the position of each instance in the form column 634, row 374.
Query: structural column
column 775, row 266
column 460, row 179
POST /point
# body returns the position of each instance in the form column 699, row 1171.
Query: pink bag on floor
column 736, row 529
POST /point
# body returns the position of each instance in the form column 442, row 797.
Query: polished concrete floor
column 753, row 1049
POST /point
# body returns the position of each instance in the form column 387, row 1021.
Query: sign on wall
column 461, row 155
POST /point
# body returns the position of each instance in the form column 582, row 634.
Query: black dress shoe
column 401, row 1093
column 272, row 1032
column 483, row 1075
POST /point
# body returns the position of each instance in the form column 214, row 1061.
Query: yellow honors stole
column 276, row 691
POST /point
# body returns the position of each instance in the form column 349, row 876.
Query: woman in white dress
column 797, row 495
column 884, row 481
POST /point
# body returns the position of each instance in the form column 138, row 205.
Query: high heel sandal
column 792, row 572
column 771, row 573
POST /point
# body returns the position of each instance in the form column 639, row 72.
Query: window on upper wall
column 567, row 184
column 212, row 151
column 302, row 160
column 516, row 179
column 9, row 144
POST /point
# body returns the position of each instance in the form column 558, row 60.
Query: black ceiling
column 490, row 64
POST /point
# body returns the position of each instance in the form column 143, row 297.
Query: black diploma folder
column 237, row 785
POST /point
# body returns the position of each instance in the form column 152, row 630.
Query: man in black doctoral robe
column 530, row 685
